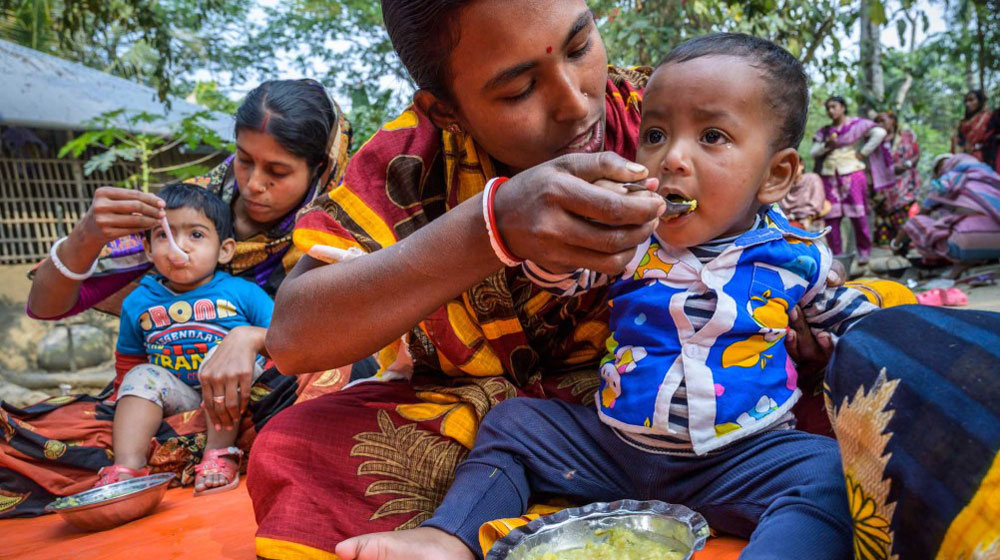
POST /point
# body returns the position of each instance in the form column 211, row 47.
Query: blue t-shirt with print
column 176, row 330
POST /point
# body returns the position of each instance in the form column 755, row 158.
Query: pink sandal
column 933, row 297
column 954, row 297
column 212, row 463
column 113, row 473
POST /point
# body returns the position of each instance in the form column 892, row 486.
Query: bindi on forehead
column 548, row 49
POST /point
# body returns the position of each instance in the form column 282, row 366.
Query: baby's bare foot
column 422, row 543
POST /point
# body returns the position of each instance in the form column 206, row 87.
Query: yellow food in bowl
column 619, row 544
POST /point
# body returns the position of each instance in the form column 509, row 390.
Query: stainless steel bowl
column 111, row 505
column 671, row 524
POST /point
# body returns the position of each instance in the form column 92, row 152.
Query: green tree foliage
column 343, row 44
column 116, row 141
column 155, row 42
column 643, row 31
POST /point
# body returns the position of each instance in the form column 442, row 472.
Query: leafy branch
column 117, row 139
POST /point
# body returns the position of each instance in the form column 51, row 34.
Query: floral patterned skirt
column 377, row 456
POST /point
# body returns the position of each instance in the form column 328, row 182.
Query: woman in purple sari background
column 960, row 220
column 843, row 172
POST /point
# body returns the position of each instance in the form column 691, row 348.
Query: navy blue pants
column 784, row 490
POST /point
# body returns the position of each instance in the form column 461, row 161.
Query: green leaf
column 876, row 12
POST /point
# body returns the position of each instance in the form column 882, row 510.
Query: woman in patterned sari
column 292, row 143
column 523, row 90
column 893, row 202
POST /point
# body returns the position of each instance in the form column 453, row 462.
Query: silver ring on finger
column 219, row 399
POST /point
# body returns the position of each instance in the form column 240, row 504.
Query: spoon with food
column 677, row 205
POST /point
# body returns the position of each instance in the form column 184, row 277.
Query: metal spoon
column 673, row 208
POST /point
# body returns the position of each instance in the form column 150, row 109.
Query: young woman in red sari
column 974, row 130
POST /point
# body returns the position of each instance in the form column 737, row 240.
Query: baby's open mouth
column 677, row 205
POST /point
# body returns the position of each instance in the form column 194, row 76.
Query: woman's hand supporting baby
column 811, row 353
column 228, row 372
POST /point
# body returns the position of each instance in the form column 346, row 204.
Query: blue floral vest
column 738, row 376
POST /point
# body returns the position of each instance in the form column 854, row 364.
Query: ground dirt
column 20, row 335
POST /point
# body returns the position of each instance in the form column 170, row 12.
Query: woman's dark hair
column 423, row 33
column 838, row 99
column 180, row 195
column 296, row 113
column 788, row 89
column 982, row 101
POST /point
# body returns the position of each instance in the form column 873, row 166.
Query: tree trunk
column 981, row 41
column 967, row 55
column 904, row 89
column 872, row 81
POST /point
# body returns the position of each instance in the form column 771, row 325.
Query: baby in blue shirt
column 171, row 326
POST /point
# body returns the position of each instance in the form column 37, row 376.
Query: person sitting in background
column 893, row 203
column 806, row 203
column 959, row 222
column 843, row 172
column 170, row 327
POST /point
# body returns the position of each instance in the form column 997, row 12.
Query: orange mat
column 214, row 527
column 217, row 526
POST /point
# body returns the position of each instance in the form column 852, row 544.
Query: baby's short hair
column 181, row 195
column 788, row 89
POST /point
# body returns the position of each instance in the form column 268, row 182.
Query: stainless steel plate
column 670, row 524
column 108, row 492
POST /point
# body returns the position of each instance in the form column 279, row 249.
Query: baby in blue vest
column 171, row 325
column 696, row 392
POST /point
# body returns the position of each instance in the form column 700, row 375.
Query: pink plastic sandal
column 113, row 473
column 954, row 297
column 933, row 297
column 212, row 463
